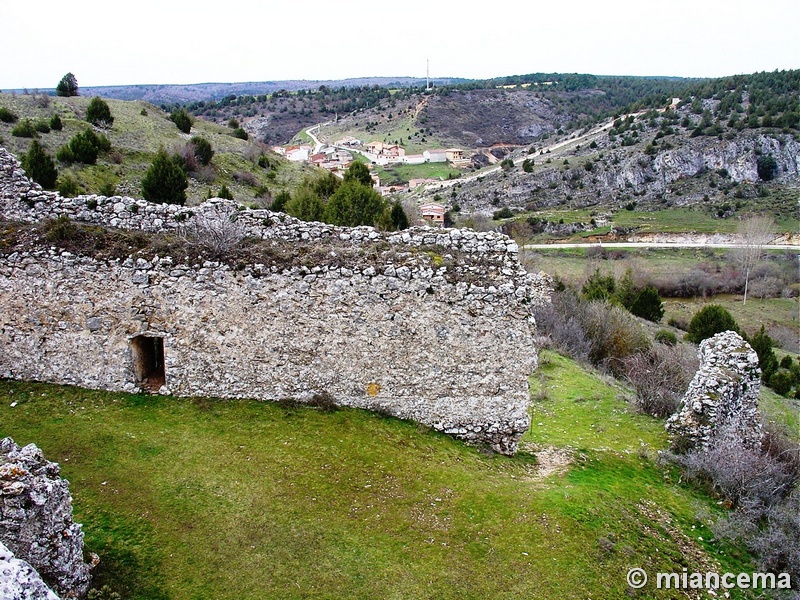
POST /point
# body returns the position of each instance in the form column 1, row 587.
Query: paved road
column 310, row 133
column 631, row 245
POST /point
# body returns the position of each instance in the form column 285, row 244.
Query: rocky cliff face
column 722, row 394
column 684, row 170
column 36, row 520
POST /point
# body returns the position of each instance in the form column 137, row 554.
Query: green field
column 405, row 173
column 190, row 498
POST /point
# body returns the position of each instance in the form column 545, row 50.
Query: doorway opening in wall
column 148, row 362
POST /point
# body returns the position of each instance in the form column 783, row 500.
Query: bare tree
column 752, row 235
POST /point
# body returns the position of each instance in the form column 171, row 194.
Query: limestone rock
column 36, row 519
column 19, row 580
column 723, row 392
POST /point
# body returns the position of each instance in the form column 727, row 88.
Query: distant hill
column 177, row 93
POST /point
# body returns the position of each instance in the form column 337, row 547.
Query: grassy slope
column 193, row 499
column 137, row 137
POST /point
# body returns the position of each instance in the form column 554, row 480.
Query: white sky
column 149, row 41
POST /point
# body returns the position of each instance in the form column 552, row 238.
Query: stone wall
column 722, row 394
column 36, row 521
column 435, row 326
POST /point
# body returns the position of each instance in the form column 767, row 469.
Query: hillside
column 188, row 498
column 139, row 129
column 695, row 156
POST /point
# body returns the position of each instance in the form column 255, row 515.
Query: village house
column 414, row 159
column 298, row 153
column 437, row 155
column 432, row 212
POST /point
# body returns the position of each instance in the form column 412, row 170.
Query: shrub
column 305, row 205
column 781, row 382
column 503, row 213
column 614, row 336
column 279, row 204
column 165, row 180
column 240, row 133
column 709, row 321
column 41, row 126
column 762, row 343
column 766, row 166
column 760, row 484
column 354, row 204
column 214, row 235
column 182, row 120
column 398, row 216
column 660, row 377
column 84, row 148
column 39, row 166
column 64, row 155
column 24, row 129
column 202, row 149
column 527, row 165
column 225, row 193
column 107, row 188
column 666, row 337
column 233, row 123
column 247, row 178
column 507, row 164
column 648, row 305
column 98, row 113
column 6, row 116
column 68, row 86
column 68, row 186
column 594, row 332
column 55, row 123
column 598, row 286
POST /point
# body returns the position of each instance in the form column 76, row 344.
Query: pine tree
column 648, row 305
column 39, row 166
column 709, row 321
column 182, row 120
column 165, row 180
column 68, row 86
column 399, row 217
column 98, row 113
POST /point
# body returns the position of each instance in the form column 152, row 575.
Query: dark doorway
column 148, row 361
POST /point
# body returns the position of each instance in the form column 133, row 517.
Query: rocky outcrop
column 19, row 580
column 36, row 520
column 630, row 174
column 432, row 325
column 723, row 395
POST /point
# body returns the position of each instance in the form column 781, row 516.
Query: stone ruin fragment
column 36, row 527
column 722, row 396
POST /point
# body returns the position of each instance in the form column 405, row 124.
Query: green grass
column 405, row 173
column 190, row 498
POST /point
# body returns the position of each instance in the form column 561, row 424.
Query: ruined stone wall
column 441, row 337
column 722, row 396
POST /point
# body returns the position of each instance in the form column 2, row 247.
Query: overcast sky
column 162, row 41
